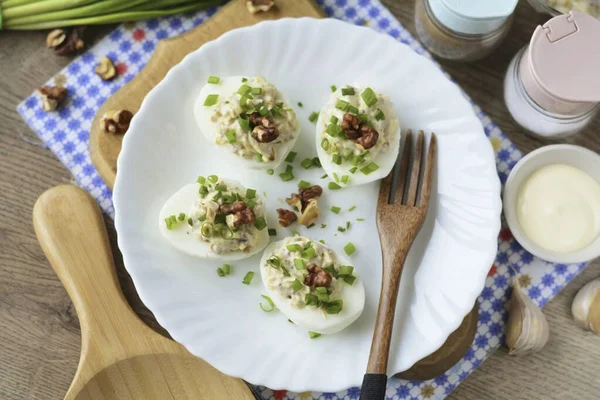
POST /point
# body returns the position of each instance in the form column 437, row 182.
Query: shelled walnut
column 106, row 69
column 255, row 6
column 65, row 41
column 52, row 97
column 116, row 121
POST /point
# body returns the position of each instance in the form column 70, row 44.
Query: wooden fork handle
column 375, row 380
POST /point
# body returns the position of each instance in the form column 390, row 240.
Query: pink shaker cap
column 561, row 68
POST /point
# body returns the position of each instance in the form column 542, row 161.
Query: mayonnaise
column 558, row 208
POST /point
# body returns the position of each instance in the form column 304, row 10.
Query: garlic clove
column 527, row 329
column 586, row 307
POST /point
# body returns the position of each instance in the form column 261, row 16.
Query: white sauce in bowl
column 558, row 208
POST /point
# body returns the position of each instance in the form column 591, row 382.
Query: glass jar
column 463, row 31
column 535, row 119
column 551, row 87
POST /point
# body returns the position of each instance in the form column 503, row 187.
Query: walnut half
column 255, row 6
column 52, row 97
column 106, row 69
column 116, row 121
column 310, row 213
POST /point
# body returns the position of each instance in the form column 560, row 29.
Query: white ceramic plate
column 219, row 319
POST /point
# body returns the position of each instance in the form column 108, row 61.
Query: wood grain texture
column 40, row 335
column 105, row 148
column 121, row 357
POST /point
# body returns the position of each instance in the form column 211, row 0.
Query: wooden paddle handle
column 71, row 232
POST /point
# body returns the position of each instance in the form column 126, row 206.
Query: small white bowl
column 578, row 157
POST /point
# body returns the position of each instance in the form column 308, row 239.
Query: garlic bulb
column 586, row 307
column 527, row 330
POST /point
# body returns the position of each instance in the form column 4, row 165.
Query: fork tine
column 402, row 172
column 427, row 176
column 415, row 171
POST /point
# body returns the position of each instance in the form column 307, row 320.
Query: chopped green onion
column 336, row 178
column 307, row 245
column 221, row 187
column 323, row 176
column 286, row 176
column 342, row 105
column 349, row 279
column 379, row 115
column 207, row 229
column 285, row 271
column 201, row 180
column 213, row 178
column 348, row 224
column 299, row 263
column 333, row 88
column 190, row 221
column 322, row 241
column 226, row 268
column 371, row 167
column 303, row 184
column 256, row 91
column 274, row 262
column 307, row 162
column 322, row 296
column 300, row 104
column 334, row 130
column 244, row 80
column 291, row 157
column 220, row 218
column 244, row 90
column 369, row 97
column 294, row 247
column 250, row 193
column 170, row 222
column 360, row 219
column 333, row 186
column 220, row 272
column 181, row 216
column 364, row 118
column 334, row 119
column 214, row 79
column 309, row 253
column 244, row 101
column 211, row 100
column 325, row 144
column 310, row 225
column 295, row 232
column 250, row 203
column 202, row 218
column 313, row 117
column 272, row 232
column 316, row 162
column 345, row 179
column 264, row 111
column 341, row 229
column 349, row 249
column 347, row 91
column 336, row 159
column 297, row 285
column 353, row 170
column 244, row 124
column 289, row 168
column 334, row 307
column 270, row 171
column 248, row 278
column 260, row 223
column 268, row 308
column 346, row 270
column 352, row 109
column 336, row 209
column 258, row 157
column 311, row 300
column 323, row 226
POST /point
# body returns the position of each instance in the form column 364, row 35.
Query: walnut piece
column 362, row 134
column 310, row 213
column 313, row 192
column 55, row 38
column 295, row 201
column 286, row 217
column 106, row 69
column 66, row 41
column 116, row 121
column 263, row 129
column 255, row 6
column 52, row 97
column 317, row 276
column 238, row 214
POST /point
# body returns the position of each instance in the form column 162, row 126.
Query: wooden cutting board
column 105, row 148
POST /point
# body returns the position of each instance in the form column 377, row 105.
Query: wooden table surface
column 39, row 331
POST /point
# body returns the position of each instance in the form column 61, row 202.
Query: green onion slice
column 291, row 157
column 349, row 249
column 244, row 90
column 274, row 262
column 334, row 307
column 268, row 307
column 299, row 263
column 272, row 232
column 211, row 100
column 379, row 115
column 294, row 247
column 369, row 97
column 313, row 117
column 307, row 163
column 333, row 186
column 336, row 209
column 347, row 91
column 207, row 229
column 370, row 167
column 297, row 285
column 214, row 79
column 303, row 184
column 248, row 278
column 260, row 223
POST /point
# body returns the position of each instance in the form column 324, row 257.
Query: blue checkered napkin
column 130, row 46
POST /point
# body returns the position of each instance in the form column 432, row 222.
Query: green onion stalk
column 49, row 14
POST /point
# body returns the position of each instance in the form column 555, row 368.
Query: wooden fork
column 401, row 210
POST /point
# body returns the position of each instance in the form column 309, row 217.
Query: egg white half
column 311, row 318
column 225, row 89
column 385, row 160
column 181, row 237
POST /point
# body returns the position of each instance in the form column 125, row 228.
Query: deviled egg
column 312, row 285
column 215, row 218
column 358, row 136
column 249, row 117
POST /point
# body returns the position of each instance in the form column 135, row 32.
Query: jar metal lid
column 473, row 16
column 561, row 69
